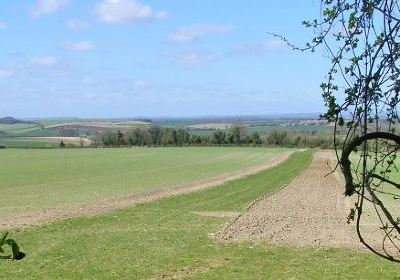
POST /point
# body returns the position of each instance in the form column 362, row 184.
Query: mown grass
column 165, row 239
column 32, row 179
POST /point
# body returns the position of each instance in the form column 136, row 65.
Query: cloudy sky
column 129, row 58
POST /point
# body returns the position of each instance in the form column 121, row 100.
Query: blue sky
column 129, row 58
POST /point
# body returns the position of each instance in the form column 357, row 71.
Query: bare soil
column 41, row 216
column 73, row 140
column 311, row 210
column 218, row 214
column 189, row 271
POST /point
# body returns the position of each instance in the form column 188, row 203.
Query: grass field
column 22, row 142
column 165, row 240
column 18, row 128
column 42, row 142
column 32, row 179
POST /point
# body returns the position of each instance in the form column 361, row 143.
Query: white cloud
column 77, row 24
column 44, row 61
column 197, row 31
column 81, row 46
column 46, row 7
column 126, row 11
column 191, row 58
column 3, row 26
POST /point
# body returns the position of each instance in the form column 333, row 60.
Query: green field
column 164, row 239
column 41, row 142
column 19, row 128
column 19, row 142
column 32, row 179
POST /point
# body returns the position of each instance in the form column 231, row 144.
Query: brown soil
column 67, row 140
column 42, row 216
column 218, row 214
column 189, row 271
column 311, row 210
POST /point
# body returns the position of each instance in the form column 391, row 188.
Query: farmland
column 75, row 176
column 150, row 213
column 40, row 133
column 167, row 239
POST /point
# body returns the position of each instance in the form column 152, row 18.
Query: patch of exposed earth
column 218, row 214
column 41, row 216
column 311, row 210
column 189, row 271
column 67, row 140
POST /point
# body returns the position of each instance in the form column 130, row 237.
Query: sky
column 157, row 58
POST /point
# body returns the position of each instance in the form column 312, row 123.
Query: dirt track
column 42, row 216
column 311, row 210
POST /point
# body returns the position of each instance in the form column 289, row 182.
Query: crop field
column 19, row 128
column 35, row 179
column 175, row 238
column 23, row 142
column 42, row 142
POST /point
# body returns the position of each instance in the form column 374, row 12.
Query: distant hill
column 10, row 120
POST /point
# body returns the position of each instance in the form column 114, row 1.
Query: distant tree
column 236, row 134
column 135, row 137
column 93, row 141
column 218, row 137
column 82, row 140
column 155, row 135
column 182, row 137
column 195, row 139
column 296, row 141
column 120, row 138
column 277, row 137
column 109, row 138
column 205, row 140
column 168, row 137
column 255, row 138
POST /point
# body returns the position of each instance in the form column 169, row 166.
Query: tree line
column 236, row 135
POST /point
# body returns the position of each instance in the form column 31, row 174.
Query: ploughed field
column 40, row 179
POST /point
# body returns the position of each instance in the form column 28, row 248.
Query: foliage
column 361, row 93
column 237, row 135
column 16, row 254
